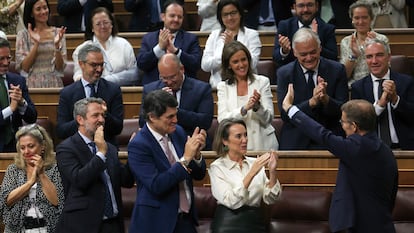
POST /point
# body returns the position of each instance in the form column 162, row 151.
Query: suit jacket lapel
column 186, row 91
column 368, row 87
column 156, row 146
column 179, row 38
column 85, row 153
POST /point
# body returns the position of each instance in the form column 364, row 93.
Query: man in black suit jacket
column 324, row 109
column 92, row 65
column 170, row 39
column 396, row 101
column 195, row 99
column 17, row 104
column 77, row 13
column 92, row 175
column 306, row 16
column 367, row 180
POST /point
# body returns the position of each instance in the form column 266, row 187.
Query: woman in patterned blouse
column 31, row 195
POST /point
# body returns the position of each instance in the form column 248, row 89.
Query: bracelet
column 352, row 58
column 243, row 111
column 58, row 49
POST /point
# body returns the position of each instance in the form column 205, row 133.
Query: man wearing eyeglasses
column 306, row 16
column 170, row 39
column 195, row 101
column 15, row 103
column 91, row 84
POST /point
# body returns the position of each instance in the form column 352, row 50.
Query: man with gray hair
column 392, row 95
column 321, row 88
column 91, row 85
column 92, row 175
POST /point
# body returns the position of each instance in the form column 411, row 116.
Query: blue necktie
column 310, row 83
column 108, row 209
column 92, row 88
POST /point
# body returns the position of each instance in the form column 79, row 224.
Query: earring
column 225, row 148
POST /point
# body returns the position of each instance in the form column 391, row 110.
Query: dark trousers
column 111, row 226
column 185, row 224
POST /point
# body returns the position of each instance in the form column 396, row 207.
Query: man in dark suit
column 194, row 97
column 306, row 16
column 367, row 179
column 280, row 9
column 164, row 160
column 91, row 85
column 395, row 105
column 77, row 13
column 141, row 18
column 339, row 12
column 15, row 102
column 305, row 74
column 92, row 175
column 170, row 39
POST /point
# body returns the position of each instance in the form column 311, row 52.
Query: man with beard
column 91, row 84
column 92, row 175
column 170, row 39
column 306, row 16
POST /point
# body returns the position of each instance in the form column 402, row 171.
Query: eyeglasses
column 8, row 58
column 169, row 78
column 103, row 23
column 96, row 65
column 231, row 14
column 303, row 5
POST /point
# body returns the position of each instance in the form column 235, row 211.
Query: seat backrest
column 130, row 126
column 403, row 213
column 300, row 211
column 68, row 73
column 268, row 69
column 401, row 64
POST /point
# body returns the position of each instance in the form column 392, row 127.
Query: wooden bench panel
column 296, row 169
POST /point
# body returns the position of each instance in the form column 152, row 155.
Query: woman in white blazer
column 246, row 96
column 230, row 17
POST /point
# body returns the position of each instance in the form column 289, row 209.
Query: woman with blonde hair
column 31, row 195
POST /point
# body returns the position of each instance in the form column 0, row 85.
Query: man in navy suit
column 194, row 97
column 91, row 85
column 164, row 160
column 306, row 16
column 15, row 102
column 170, row 39
column 92, row 175
column 396, row 103
column 305, row 73
column 77, row 13
column 367, row 179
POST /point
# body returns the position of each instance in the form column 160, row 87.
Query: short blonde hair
column 42, row 137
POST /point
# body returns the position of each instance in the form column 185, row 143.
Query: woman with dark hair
column 40, row 48
column 246, row 96
column 230, row 16
column 239, row 183
column 31, row 195
column 120, row 61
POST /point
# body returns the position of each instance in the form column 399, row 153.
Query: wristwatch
column 352, row 58
column 185, row 162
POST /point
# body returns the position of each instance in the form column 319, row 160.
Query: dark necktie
column 310, row 83
column 92, row 88
column 184, row 205
column 264, row 9
column 4, row 102
column 108, row 209
column 383, row 123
